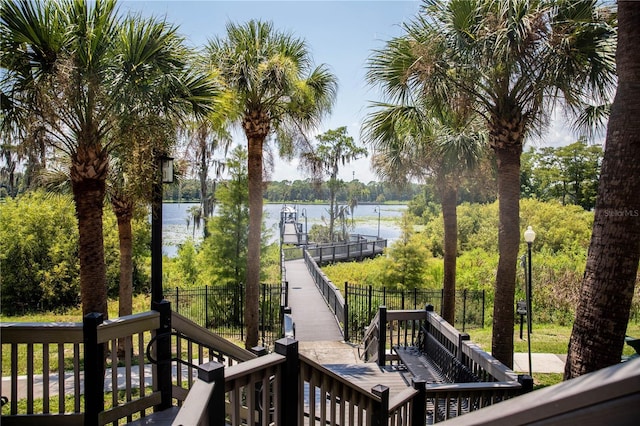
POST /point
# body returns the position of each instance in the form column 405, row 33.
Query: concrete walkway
column 314, row 321
column 321, row 339
column 540, row 363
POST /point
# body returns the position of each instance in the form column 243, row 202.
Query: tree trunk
column 124, row 213
column 88, row 174
column 256, row 127
column 508, row 159
column 602, row 315
column 449, row 196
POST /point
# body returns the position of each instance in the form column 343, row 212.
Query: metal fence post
column 206, row 306
column 262, row 311
column 93, row 369
column 289, row 388
column 482, row 308
column 382, row 335
column 464, row 308
column 347, row 324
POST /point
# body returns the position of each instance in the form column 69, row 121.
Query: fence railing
column 105, row 371
column 221, row 309
column 363, row 303
column 357, row 307
column 470, row 378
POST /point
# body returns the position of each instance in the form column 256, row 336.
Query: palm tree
column 334, row 148
column 205, row 137
column 67, row 66
column 278, row 92
column 513, row 60
column 602, row 315
column 412, row 140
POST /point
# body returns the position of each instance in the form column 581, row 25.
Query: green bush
column 38, row 253
column 559, row 257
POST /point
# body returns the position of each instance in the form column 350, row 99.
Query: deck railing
column 287, row 389
column 98, row 372
column 53, row 354
column 475, row 379
column 359, row 247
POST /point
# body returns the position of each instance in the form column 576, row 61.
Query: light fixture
column 529, row 235
column 166, row 165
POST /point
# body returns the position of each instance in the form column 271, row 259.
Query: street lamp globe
column 529, row 235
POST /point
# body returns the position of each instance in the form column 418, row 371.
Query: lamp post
column 377, row 210
column 529, row 237
column 164, row 174
column 306, row 235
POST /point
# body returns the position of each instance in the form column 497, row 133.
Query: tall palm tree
column 278, row 92
column 413, row 140
column 513, row 59
column 602, row 315
column 66, row 64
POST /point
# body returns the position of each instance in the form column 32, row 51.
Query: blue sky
column 340, row 33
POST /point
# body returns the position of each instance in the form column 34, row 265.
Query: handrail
column 329, row 291
column 208, row 338
column 277, row 381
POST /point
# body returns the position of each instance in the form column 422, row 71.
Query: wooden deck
column 368, row 375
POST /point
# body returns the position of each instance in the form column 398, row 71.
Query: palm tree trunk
column 602, row 316
column 508, row 157
column 124, row 213
column 88, row 195
column 449, row 196
column 256, row 129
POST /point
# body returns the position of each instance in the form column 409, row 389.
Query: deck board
column 368, row 375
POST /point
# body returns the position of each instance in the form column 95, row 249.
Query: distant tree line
column 307, row 191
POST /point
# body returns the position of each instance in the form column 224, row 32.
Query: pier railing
column 357, row 248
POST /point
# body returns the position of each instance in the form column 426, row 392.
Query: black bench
column 432, row 362
column 419, row 365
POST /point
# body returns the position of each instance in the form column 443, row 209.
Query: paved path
column 314, row 321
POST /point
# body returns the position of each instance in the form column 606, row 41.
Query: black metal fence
column 221, row 309
column 362, row 303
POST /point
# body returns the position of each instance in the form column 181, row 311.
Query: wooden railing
column 474, row 379
column 359, row 247
column 53, row 353
column 331, row 293
column 284, row 388
column 233, row 386
column 80, row 366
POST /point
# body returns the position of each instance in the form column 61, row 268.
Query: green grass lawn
column 545, row 338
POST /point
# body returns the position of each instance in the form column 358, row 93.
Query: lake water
column 175, row 218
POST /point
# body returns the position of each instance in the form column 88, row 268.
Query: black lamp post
column 164, row 174
column 377, row 210
column 529, row 237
